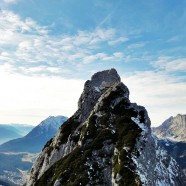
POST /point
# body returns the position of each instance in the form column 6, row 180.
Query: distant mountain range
column 13, row 131
column 35, row 140
column 23, row 129
column 172, row 137
column 19, row 154
column 174, row 128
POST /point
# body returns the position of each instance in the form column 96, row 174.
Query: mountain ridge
column 172, row 137
column 12, row 131
column 107, row 142
column 173, row 128
column 8, row 133
column 36, row 138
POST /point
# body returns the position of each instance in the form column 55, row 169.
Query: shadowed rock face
column 177, row 150
column 107, row 142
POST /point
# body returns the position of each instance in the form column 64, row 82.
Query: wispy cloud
column 30, row 48
column 12, row 22
column 104, row 57
column 10, row 1
column 169, row 64
column 163, row 95
column 136, row 45
column 118, row 40
column 36, row 98
column 174, row 39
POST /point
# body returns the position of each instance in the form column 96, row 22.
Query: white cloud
column 5, row 69
column 12, row 23
column 118, row 40
column 161, row 94
column 136, row 45
column 169, row 64
column 91, row 38
column 10, row 1
column 104, row 57
column 174, row 39
column 26, row 45
column 44, row 71
column 31, row 99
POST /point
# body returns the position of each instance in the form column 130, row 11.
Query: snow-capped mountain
column 106, row 142
column 35, row 140
column 47, row 128
column 174, row 128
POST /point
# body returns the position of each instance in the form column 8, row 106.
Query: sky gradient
column 49, row 48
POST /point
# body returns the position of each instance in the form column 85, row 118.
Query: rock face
column 94, row 89
column 172, row 137
column 173, row 128
column 177, row 150
column 107, row 142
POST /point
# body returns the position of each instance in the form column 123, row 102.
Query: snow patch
column 141, row 125
column 97, row 89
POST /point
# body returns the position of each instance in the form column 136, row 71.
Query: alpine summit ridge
column 106, row 142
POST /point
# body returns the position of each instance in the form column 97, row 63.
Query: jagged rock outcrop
column 174, row 128
column 93, row 90
column 107, row 142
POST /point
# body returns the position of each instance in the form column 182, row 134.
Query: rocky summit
column 174, row 128
column 172, row 137
column 107, row 142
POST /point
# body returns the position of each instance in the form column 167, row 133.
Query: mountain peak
column 94, row 88
column 105, row 78
column 107, row 141
column 53, row 121
column 174, row 128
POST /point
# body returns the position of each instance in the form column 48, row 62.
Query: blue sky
column 46, row 46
